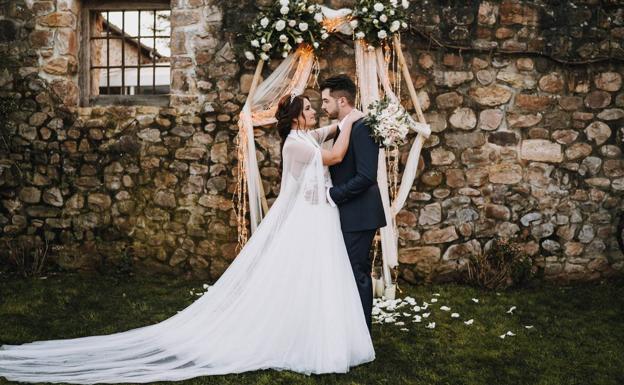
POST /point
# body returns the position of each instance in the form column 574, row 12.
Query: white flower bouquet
column 389, row 123
column 377, row 20
column 286, row 25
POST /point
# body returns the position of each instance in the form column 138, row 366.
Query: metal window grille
column 122, row 36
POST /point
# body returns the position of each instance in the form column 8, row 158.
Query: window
column 125, row 52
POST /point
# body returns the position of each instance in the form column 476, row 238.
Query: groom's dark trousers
column 357, row 196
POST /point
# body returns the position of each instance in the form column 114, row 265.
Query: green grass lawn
column 577, row 335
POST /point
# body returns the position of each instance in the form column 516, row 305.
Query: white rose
column 318, row 17
column 263, row 40
column 360, row 35
column 284, row 10
column 375, row 21
column 364, row 9
column 255, row 43
column 280, row 25
column 391, row 12
column 378, row 7
column 315, row 44
column 404, row 24
column 405, row 4
column 249, row 55
column 266, row 47
column 303, row 27
column 382, row 34
column 287, row 47
column 353, row 24
column 395, row 26
column 292, row 23
column 284, row 54
column 311, row 9
column 283, row 38
column 394, row 3
column 264, row 22
column 264, row 56
column 299, row 40
column 383, row 18
column 284, row 3
column 324, row 36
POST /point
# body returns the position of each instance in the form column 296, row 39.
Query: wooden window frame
column 89, row 7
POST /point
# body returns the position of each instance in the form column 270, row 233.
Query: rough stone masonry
column 525, row 100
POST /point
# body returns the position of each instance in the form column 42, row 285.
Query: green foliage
column 377, row 20
column 285, row 26
column 8, row 105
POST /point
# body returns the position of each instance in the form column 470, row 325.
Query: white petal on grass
column 445, row 308
column 436, row 294
column 404, row 329
column 431, row 325
column 469, row 322
column 416, row 308
column 400, row 323
column 509, row 333
column 434, row 300
column 528, row 326
column 426, row 315
column 511, row 309
column 455, row 315
column 475, row 300
column 502, row 336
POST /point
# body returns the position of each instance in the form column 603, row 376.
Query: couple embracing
column 297, row 297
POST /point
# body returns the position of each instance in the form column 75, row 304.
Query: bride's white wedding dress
column 288, row 301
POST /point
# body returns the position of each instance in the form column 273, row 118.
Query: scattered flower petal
column 445, row 308
column 455, row 315
column 511, row 309
column 469, row 322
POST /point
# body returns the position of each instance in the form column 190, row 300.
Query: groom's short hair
column 339, row 86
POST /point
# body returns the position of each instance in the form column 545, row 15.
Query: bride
column 289, row 300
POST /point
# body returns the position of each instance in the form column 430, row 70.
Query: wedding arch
column 375, row 58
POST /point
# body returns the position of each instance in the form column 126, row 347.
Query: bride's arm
column 325, row 133
column 338, row 151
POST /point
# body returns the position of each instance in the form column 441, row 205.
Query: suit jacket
column 355, row 190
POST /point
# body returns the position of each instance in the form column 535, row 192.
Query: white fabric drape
column 290, row 76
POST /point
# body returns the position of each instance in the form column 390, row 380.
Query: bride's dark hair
column 287, row 111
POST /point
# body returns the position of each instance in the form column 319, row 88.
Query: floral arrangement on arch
column 286, row 25
column 377, row 20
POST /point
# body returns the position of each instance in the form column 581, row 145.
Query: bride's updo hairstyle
column 287, row 111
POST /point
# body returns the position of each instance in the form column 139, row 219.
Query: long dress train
column 288, row 301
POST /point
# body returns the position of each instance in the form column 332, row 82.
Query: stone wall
column 525, row 100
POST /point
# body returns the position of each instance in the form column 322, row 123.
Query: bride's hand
column 355, row 115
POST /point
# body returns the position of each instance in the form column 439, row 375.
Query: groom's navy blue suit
column 357, row 196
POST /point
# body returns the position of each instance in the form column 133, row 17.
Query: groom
column 355, row 189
